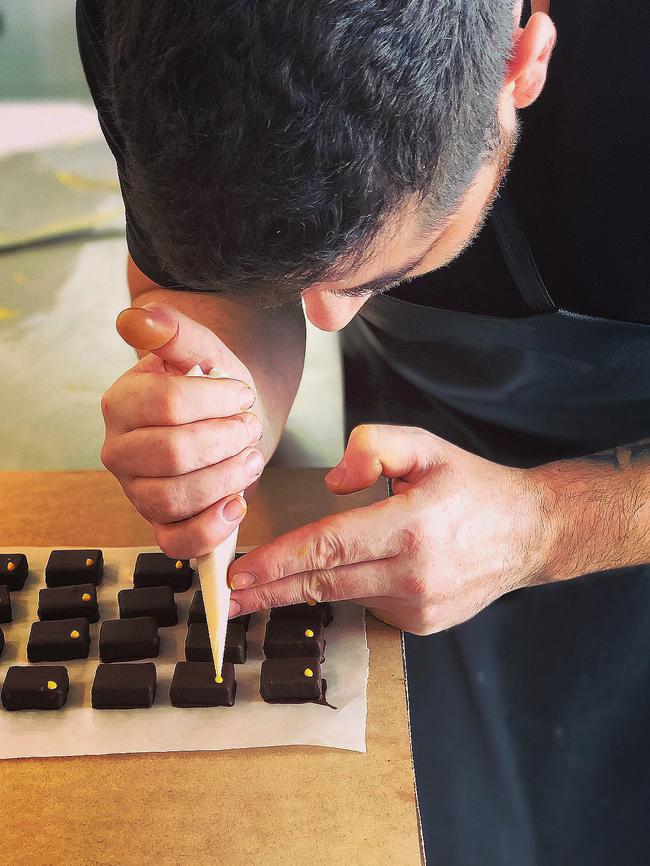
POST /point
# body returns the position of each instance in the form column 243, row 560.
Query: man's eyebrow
column 378, row 284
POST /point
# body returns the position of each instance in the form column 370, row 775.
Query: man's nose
column 331, row 312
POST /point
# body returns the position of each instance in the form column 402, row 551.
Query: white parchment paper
column 77, row 729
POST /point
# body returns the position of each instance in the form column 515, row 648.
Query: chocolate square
column 65, row 602
column 41, row 688
column 287, row 638
column 320, row 610
column 197, row 611
column 70, row 567
column 5, row 605
column 2, row 641
column 155, row 601
column 13, row 571
column 123, row 640
column 292, row 681
column 194, row 685
column 197, row 643
column 59, row 640
column 124, row 686
column 156, row 569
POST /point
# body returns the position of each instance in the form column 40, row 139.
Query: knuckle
column 328, row 550
column 169, row 403
column 170, row 502
column 177, row 454
column 136, row 492
column 169, row 542
column 414, row 584
column 319, row 586
column 159, row 502
column 107, row 456
column 106, row 404
column 412, row 539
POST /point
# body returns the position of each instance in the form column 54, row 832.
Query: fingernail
column 254, row 463
column 337, row 474
column 234, row 509
column 254, row 427
column 146, row 328
column 243, row 579
column 247, row 397
column 234, row 609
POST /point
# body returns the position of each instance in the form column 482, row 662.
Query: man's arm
column 599, row 506
column 270, row 342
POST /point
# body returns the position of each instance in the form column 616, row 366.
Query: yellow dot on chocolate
column 309, row 632
column 86, row 596
column 74, row 633
column 311, row 602
column 90, row 563
column 218, row 679
column 11, row 566
column 51, row 684
column 308, row 672
column 179, row 564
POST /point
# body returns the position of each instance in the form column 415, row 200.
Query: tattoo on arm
column 623, row 456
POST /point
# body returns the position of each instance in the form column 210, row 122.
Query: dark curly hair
column 266, row 139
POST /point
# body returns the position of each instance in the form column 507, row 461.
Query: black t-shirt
column 577, row 179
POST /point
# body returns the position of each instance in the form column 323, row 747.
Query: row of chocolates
column 75, row 567
column 122, row 640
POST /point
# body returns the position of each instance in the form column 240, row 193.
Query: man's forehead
column 399, row 246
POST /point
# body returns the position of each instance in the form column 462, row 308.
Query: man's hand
column 182, row 448
column 459, row 532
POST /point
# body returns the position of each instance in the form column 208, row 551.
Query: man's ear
column 529, row 60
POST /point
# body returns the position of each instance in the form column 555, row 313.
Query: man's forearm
column 271, row 343
column 599, row 507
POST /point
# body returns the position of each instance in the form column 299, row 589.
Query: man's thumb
column 177, row 339
column 374, row 450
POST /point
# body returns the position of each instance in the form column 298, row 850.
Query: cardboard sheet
column 80, row 730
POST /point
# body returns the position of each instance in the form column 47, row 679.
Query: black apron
column 530, row 722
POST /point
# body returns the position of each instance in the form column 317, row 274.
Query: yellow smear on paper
column 81, row 184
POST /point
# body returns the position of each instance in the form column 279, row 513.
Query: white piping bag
column 213, row 573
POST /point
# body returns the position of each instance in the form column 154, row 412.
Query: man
column 341, row 154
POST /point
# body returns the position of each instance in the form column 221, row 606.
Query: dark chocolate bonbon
column 320, row 610
column 292, row 681
column 286, row 638
column 123, row 640
column 35, row 688
column 155, row 601
column 6, row 614
column 194, row 684
column 197, row 612
column 69, row 567
column 156, row 569
column 124, row 686
column 197, row 643
column 59, row 640
column 64, row 602
column 14, row 569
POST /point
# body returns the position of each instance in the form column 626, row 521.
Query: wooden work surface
column 242, row 807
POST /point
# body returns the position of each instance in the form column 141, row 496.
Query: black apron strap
column 519, row 257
